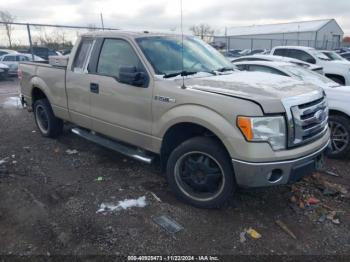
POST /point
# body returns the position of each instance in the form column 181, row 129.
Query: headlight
column 264, row 129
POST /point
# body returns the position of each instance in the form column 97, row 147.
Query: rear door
column 78, row 81
column 120, row 110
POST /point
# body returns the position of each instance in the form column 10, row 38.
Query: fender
column 203, row 116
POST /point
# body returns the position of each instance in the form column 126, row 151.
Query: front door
column 120, row 110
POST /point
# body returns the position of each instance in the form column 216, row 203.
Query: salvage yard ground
column 51, row 190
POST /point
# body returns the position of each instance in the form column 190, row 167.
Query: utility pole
column 103, row 26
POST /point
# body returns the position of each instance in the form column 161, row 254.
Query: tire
column 340, row 129
column 188, row 169
column 47, row 123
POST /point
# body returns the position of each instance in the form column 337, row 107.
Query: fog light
column 275, row 175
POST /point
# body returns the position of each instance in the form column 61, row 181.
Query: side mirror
column 129, row 75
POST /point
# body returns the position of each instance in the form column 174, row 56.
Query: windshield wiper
column 224, row 69
column 187, row 73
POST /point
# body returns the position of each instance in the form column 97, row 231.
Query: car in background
column 7, row 51
column 258, row 51
column 333, row 55
column 275, row 58
column 42, row 52
column 336, row 70
column 4, row 69
column 338, row 99
column 12, row 61
column 346, row 55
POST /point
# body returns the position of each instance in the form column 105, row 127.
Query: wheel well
column 178, row 134
column 338, row 113
column 341, row 78
column 37, row 94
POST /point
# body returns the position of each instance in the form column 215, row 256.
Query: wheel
column 48, row 124
column 338, row 80
column 200, row 173
column 340, row 136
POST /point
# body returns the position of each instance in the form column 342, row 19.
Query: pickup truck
column 337, row 70
column 149, row 95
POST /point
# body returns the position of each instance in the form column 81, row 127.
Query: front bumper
column 250, row 174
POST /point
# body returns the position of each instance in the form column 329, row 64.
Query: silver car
column 12, row 61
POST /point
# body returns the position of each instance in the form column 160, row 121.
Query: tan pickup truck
column 151, row 95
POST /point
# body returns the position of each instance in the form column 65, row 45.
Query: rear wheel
column 200, row 173
column 340, row 136
column 48, row 124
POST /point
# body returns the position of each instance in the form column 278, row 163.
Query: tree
column 202, row 30
column 7, row 18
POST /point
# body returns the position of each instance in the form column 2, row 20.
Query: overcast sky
column 165, row 14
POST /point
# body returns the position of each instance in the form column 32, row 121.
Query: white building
column 323, row 34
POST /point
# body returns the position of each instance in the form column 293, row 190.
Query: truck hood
column 266, row 89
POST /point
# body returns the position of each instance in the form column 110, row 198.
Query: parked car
column 346, row 55
column 275, row 58
column 338, row 99
column 333, row 55
column 338, row 71
column 7, row 51
column 4, row 69
column 42, row 52
column 12, row 61
column 257, row 51
column 213, row 128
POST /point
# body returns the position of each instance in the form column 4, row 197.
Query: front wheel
column 200, row 173
column 340, row 136
column 48, row 124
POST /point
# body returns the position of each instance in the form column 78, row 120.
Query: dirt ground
column 49, row 199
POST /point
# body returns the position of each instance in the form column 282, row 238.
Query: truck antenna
column 182, row 49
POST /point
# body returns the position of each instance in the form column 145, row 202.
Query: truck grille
column 309, row 121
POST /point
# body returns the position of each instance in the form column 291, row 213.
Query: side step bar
column 114, row 145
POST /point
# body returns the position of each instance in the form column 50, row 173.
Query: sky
column 165, row 14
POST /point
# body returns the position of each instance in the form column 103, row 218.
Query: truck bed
column 52, row 79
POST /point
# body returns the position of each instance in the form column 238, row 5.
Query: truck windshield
column 168, row 59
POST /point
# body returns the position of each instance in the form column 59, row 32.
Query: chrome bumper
column 249, row 174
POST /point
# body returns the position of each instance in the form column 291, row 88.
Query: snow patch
column 125, row 204
column 12, row 102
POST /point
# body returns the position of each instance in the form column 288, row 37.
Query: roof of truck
column 134, row 34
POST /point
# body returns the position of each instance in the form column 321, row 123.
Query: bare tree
column 7, row 18
column 202, row 30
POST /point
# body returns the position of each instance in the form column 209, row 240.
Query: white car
column 338, row 99
column 7, row 51
column 275, row 58
column 337, row 70
column 12, row 61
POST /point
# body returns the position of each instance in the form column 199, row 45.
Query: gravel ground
column 49, row 199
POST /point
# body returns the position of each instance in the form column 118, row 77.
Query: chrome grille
column 307, row 121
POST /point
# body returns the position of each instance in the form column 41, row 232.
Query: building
column 321, row 34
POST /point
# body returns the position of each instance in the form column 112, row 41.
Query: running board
column 114, row 145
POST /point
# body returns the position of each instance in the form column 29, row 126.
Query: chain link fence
column 24, row 37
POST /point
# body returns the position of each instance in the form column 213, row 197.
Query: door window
column 114, row 54
column 280, row 52
column 9, row 58
column 301, row 55
column 81, row 58
column 265, row 69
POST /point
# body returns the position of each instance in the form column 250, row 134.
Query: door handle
column 94, row 88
